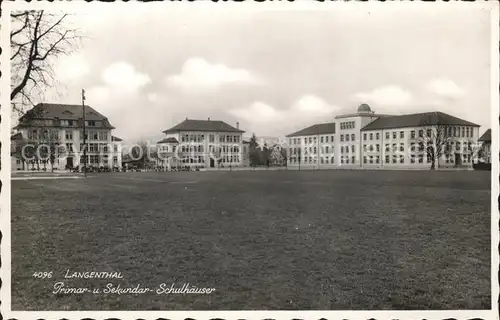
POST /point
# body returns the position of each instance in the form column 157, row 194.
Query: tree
column 435, row 135
column 254, row 151
column 37, row 39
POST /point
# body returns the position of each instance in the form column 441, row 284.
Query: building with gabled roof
column 366, row 139
column 60, row 127
column 201, row 144
column 485, row 141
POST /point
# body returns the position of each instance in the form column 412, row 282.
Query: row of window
column 211, row 138
column 347, row 125
column 98, row 160
column 394, row 159
column 348, row 137
column 376, row 147
column 458, row 132
column 47, row 135
column 311, row 140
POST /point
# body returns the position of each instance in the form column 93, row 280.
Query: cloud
column 198, row 74
column 445, row 88
column 265, row 119
column 122, row 76
column 71, row 68
column 152, row 97
column 389, row 95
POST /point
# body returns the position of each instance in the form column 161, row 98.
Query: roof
column 417, row 120
column 63, row 112
column 203, row 125
column 322, row 128
column 168, row 140
column 17, row 136
column 113, row 138
column 486, row 137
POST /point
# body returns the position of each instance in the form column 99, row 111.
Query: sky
column 276, row 71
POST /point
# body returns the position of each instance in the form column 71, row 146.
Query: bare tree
column 435, row 135
column 37, row 39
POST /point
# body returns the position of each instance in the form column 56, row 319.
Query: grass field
column 263, row 240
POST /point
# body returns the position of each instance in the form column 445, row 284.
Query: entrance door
column 69, row 162
column 212, row 163
column 458, row 159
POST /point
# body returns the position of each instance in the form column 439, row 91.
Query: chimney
column 208, row 118
column 238, row 125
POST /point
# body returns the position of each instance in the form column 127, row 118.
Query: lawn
column 264, row 240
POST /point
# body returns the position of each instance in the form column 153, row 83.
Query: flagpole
column 84, row 135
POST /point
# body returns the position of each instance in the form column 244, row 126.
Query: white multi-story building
column 367, row 139
column 202, row 144
column 57, row 129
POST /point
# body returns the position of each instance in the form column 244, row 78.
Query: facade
column 485, row 142
column 368, row 140
column 201, row 144
column 57, row 130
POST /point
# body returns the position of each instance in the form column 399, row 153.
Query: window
column 394, row 158
column 457, row 146
column 386, row 159
column 402, row 147
column 371, row 136
column 69, row 147
column 103, row 136
column 420, row 133
column 341, row 149
column 326, row 139
column 326, row 149
column 353, row 159
column 364, row 159
column 421, row 146
column 463, row 132
column 364, row 136
column 69, row 135
column 454, row 131
column 428, row 133
column 387, row 147
column 467, row 132
column 341, row 137
column 387, row 135
column 378, row 147
column 412, row 158
column 347, row 160
column 371, row 159
column 378, row 135
column 401, row 159
column 364, row 147
column 346, row 137
column 420, row 158
column 394, row 147
column 394, row 135
column 353, row 137
column 401, row 134
column 352, row 148
column 321, row 139
column 412, row 146
column 412, row 134
column 371, row 148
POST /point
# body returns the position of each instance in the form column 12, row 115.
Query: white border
column 298, row 4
